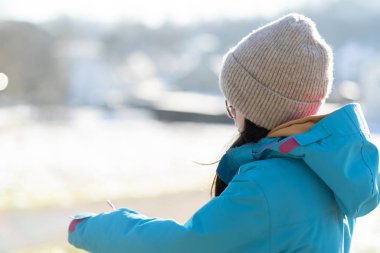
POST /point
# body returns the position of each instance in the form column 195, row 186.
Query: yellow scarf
column 295, row 126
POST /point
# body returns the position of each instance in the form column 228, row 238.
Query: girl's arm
column 236, row 221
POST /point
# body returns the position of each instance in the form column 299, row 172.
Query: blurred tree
column 27, row 57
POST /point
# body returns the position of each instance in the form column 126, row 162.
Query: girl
column 292, row 182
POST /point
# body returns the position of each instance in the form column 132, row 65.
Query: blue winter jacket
column 300, row 193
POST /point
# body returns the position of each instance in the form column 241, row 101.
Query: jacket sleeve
column 236, row 221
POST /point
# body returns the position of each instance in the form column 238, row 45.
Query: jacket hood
column 336, row 146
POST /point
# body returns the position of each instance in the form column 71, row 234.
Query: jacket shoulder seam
column 268, row 208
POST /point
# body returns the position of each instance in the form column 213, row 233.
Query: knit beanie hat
column 279, row 72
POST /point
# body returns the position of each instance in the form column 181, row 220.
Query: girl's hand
column 80, row 217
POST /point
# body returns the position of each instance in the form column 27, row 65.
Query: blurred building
column 91, row 79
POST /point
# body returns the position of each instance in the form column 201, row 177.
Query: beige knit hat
column 279, row 72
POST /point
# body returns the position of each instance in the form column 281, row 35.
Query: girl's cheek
column 239, row 122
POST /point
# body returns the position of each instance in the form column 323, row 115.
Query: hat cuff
column 257, row 103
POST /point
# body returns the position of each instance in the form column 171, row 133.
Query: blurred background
column 119, row 100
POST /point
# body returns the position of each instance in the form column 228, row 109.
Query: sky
column 150, row 12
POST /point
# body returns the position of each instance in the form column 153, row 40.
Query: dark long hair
column 251, row 133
